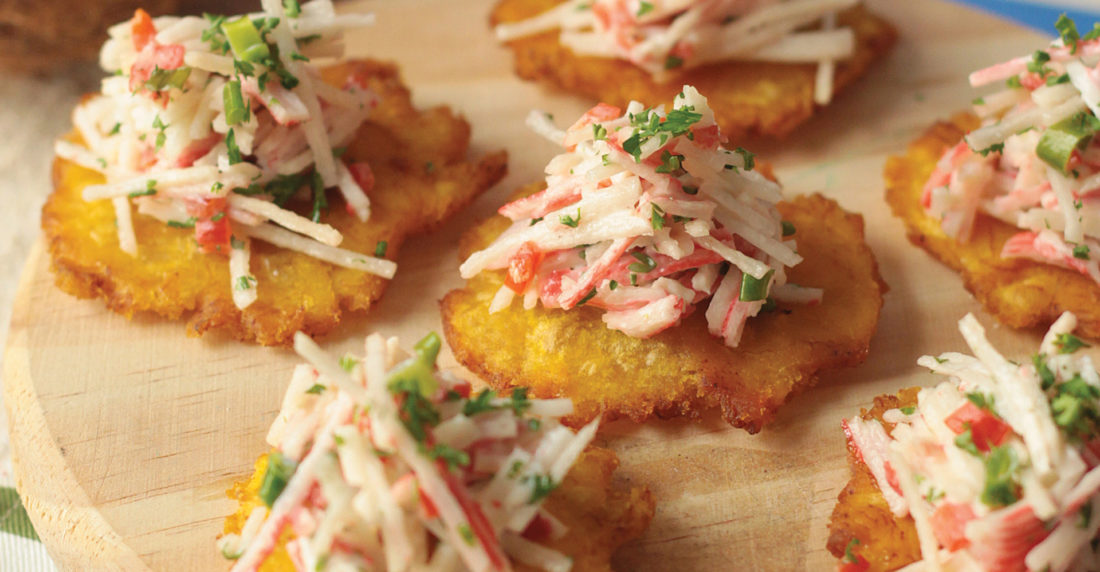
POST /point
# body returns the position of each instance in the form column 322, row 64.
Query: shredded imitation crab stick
column 387, row 460
column 664, row 35
column 215, row 123
column 998, row 465
column 644, row 216
column 1034, row 163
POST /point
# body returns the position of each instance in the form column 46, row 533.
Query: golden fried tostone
column 684, row 369
column 1020, row 293
column 421, row 178
column 861, row 512
column 601, row 515
column 747, row 97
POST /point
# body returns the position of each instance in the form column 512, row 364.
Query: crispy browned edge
column 435, row 133
column 861, row 512
column 747, row 97
column 780, row 355
column 1020, row 293
column 601, row 512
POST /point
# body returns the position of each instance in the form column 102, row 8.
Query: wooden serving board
column 126, row 433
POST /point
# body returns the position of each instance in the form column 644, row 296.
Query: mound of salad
column 1035, row 162
column 214, row 123
column 387, row 461
column 644, row 216
column 662, row 36
column 999, row 466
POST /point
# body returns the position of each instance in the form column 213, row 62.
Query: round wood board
column 126, row 433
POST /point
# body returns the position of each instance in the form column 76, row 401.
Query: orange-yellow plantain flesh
column 861, row 512
column 684, row 369
column 758, row 97
column 601, row 515
column 422, row 177
column 1020, row 293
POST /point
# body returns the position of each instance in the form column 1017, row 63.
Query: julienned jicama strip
column 385, row 459
column 994, row 468
column 220, row 172
column 657, row 272
column 765, row 65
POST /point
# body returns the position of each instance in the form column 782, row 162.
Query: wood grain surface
column 126, row 433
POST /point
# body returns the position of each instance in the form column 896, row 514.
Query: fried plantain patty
column 861, row 512
column 747, row 97
column 684, row 369
column 1020, row 293
column 421, row 178
column 601, row 515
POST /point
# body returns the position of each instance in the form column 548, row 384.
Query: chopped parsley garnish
column 1081, row 251
column 467, row 534
column 657, row 217
column 542, row 486
column 1084, row 515
column 1069, row 343
column 749, row 158
column 479, row 404
column 449, row 455
column 150, row 189
column 160, row 126
column 613, row 285
column 380, row 248
column 245, row 282
column 1067, row 29
column 232, row 150
column 1058, row 79
column 788, row 227
column 981, row 400
column 1046, row 376
column 217, row 216
column 591, row 294
column 1074, row 407
column 690, row 189
column 535, row 221
column 1038, row 63
column 513, row 471
column 965, row 441
column 908, row 410
column 1000, row 477
column 644, row 263
column 994, row 148
column 569, row 220
column 348, row 363
column 292, row 8
column 599, row 132
column 644, row 8
column 670, row 163
column 316, row 389
column 1014, row 82
column 114, row 130
column 673, row 62
column 235, row 243
column 213, row 34
column 189, row 223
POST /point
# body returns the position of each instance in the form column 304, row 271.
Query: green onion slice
column 754, row 289
column 1058, row 143
column 245, row 40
